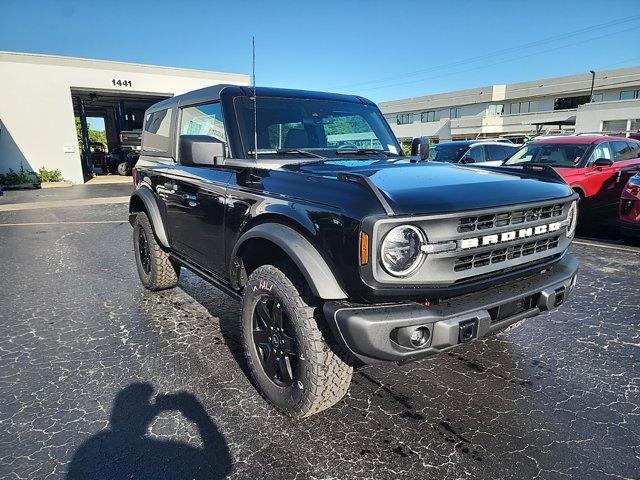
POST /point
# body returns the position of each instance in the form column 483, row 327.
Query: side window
column 157, row 130
column 621, row 151
column 508, row 151
column 203, row 120
column 496, row 152
column 635, row 149
column 602, row 150
column 476, row 154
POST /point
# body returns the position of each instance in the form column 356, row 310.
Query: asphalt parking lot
column 91, row 366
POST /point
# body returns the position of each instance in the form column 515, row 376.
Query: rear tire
column 156, row 269
column 287, row 355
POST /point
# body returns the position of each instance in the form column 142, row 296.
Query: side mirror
column 603, row 162
column 420, row 147
column 200, row 150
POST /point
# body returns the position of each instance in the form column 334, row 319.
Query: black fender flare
column 319, row 276
column 151, row 206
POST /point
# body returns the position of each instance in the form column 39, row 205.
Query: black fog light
column 419, row 336
column 412, row 337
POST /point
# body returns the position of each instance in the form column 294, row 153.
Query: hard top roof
column 214, row 92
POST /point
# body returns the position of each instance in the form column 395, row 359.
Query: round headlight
column 401, row 250
column 572, row 217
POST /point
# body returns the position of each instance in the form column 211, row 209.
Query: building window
column 523, row 107
column 496, row 109
column 629, row 94
column 404, row 118
column 614, row 126
column 635, row 124
column 597, row 97
column 428, row 116
column 566, row 103
column 454, row 112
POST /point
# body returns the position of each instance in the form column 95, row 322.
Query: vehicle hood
column 435, row 187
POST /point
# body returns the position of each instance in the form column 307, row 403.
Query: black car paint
column 207, row 209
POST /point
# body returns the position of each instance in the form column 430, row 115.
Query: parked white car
column 473, row 151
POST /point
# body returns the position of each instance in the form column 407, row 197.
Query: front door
column 600, row 181
column 627, row 163
column 196, row 198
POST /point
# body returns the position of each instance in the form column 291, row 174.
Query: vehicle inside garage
column 113, row 147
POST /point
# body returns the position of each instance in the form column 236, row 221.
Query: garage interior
column 121, row 113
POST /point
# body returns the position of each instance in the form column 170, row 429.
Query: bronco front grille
column 502, row 254
column 515, row 217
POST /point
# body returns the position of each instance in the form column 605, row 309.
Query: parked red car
column 596, row 167
column 629, row 214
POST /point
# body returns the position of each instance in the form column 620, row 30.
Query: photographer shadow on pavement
column 124, row 450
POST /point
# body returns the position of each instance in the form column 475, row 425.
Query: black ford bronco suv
column 341, row 250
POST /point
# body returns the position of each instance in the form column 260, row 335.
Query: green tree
column 98, row 136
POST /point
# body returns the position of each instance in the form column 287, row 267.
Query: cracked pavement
column 556, row 398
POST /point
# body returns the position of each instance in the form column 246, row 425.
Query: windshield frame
column 246, row 137
column 588, row 148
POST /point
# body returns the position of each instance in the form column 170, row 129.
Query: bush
column 45, row 175
column 19, row 177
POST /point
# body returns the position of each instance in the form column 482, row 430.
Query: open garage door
column 109, row 127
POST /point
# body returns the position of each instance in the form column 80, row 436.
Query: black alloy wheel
column 145, row 251
column 274, row 342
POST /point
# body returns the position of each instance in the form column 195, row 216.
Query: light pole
column 593, row 80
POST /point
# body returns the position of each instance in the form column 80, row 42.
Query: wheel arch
column 579, row 190
column 272, row 241
column 143, row 200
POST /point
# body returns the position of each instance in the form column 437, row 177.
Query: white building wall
column 37, row 125
column 590, row 116
column 475, row 120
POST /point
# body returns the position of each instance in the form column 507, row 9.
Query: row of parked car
column 603, row 170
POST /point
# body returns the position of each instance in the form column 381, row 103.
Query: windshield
column 322, row 127
column 447, row 152
column 566, row 155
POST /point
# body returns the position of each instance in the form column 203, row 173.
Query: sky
column 383, row 50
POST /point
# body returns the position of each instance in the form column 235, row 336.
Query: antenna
column 255, row 103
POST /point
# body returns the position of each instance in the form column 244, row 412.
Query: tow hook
column 468, row 330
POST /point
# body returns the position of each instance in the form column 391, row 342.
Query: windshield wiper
column 285, row 151
column 360, row 151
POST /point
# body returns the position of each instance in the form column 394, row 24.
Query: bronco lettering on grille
column 508, row 236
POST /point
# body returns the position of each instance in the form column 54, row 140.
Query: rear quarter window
column 157, row 131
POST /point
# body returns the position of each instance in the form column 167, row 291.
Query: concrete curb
column 82, row 202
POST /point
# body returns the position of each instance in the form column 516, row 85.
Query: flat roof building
column 523, row 109
column 42, row 97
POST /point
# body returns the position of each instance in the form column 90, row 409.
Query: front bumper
column 378, row 333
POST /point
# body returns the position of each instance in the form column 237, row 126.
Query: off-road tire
column 322, row 378
column 163, row 272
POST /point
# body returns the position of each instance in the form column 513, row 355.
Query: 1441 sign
column 121, row 83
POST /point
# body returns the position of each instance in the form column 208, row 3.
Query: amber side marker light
column 364, row 248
